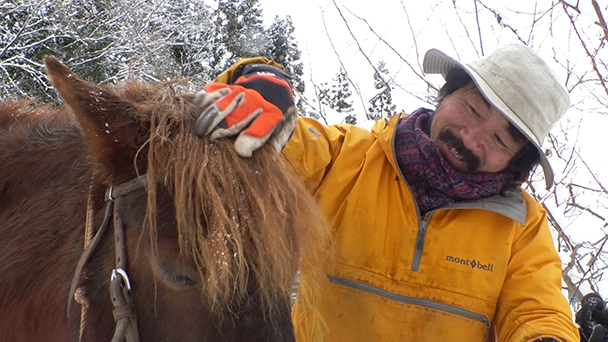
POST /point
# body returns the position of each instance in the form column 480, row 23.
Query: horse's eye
column 182, row 279
column 176, row 274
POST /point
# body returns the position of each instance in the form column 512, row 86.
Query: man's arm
column 531, row 305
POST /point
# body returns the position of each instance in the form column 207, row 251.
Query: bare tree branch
column 357, row 90
column 23, row 26
column 414, row 70
column 589, row 54
column 600, row 17
column 478, row 28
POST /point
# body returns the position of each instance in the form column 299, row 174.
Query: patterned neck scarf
column 432, row 179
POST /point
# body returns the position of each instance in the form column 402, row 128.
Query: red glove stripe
column 262, row 125
column 242, row 111
column 272, row 89
column 266, row 123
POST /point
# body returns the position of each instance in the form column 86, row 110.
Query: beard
column 453, row 142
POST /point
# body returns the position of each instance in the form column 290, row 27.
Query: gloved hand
column 592, row 319
column 258, row 106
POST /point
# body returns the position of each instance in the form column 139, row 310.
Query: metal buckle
column 123, row 274
column 110, row 194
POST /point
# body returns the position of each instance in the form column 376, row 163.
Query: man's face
column 472, row 135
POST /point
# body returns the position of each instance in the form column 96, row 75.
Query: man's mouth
column 455, row 152
column 459, row 151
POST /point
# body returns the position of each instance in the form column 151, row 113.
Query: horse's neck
column 40, row 158
column 43, row 180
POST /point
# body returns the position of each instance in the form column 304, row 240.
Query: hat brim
column 437, row 62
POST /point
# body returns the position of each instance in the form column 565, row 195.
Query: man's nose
column 473, row 138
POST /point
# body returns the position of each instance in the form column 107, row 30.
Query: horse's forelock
column 236, row 217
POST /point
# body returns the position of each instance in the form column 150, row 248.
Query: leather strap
column 120, row 285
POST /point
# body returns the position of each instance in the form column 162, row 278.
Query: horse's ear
column 111, row 127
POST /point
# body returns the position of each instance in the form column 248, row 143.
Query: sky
column 327, row 43
column 411, row 27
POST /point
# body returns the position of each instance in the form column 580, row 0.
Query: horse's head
column 213, row 237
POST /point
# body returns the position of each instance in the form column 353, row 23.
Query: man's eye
column 500, row 141
column 474, row 112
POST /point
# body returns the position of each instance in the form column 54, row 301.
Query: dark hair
column 524, row 161
column 454, row 80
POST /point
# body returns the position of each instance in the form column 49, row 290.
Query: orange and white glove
column 258, row 107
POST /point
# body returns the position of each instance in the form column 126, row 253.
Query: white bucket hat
column 519, row 84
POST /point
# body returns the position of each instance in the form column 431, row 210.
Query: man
column 434, row 238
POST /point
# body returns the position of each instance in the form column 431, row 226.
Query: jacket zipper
column 423, row 223
column 422, row 226
column 414, row 301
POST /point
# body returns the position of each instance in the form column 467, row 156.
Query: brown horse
column 212, row 242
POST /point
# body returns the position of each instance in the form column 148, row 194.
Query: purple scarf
column 432, row 180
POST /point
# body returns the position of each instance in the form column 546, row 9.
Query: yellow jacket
column 470, row 271
column 461, row 273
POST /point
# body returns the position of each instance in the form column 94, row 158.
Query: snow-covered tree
column 381, row 104
column 282, row 47
column 154, row 40
column 238, row 33
column 77, row 33
column 337, row 96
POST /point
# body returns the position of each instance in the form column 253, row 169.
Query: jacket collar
column 510, row 205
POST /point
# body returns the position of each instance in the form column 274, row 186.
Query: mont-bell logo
column 475, row 264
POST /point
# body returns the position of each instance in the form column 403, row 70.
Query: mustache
column 470, row 159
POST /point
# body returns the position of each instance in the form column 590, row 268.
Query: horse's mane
column 26, row 112
column 237, row 218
